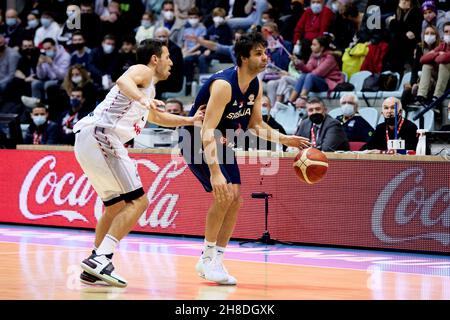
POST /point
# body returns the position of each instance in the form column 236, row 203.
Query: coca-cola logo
column 416, row 204
column 44, row 190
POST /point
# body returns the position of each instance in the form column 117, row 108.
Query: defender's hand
column 296, row 141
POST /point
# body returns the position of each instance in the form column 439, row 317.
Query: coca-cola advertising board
column 362, row 203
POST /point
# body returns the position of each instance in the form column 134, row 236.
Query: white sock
column 208, row 250
column 108, row 245
column 220, row 251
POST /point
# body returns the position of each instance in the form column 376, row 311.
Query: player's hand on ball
column 221, row 189
column 296, row 141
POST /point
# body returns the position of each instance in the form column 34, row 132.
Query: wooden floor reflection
column 37, row 271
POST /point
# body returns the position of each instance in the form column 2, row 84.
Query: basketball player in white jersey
column 99, row 149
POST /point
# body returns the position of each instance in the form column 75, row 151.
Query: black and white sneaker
column 90, row 279
column 101, row 267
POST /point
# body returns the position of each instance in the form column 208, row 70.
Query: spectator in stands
column 443, row 5
column 373, row 27
column 277, row 55
column 146, row 29
column 89, row 22
column 356, row 127
column 49, row 29
column 169, row 21
column 112, row 21
column 9, row 59
column 41, row 130
column 174, row 106
column 320, row 74
column 127, row 54
column 182, row 8
column 324, row 132
column 430, row 41
column 433, row 17
column 69, row 26
column 103, row 63
column 78, row 78
column 346, row 25
column 51, row 68
column 268, row 16
column 207, row 7
column 153, row 6
column 220, row 33
column 26, row 69
column 406, row 130
column 32, row 26
column 437, row 62
column 80, row 54
column 175, row 81
column 279, row 90
column 288, row 23
column 253, row 10
column 313, row 23
column 259, row 143
column 101, row 7
column 191, row 49
column 131, row 13
column 70, row 117
column 405, row 32
column 12, row 30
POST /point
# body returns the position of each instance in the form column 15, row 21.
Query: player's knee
column 141, row 203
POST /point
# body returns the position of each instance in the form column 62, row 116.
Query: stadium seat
column 287, row 116
column 356, row 145
column 398, row 93
column 173, row 95
column 335, row 112
column 357, row 79
column 428, row 118
column 370, row 115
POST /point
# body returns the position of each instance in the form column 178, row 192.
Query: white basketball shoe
column 102, row 267
column 214, row 270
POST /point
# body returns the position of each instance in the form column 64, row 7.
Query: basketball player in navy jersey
column 99, row 149
column 233, row 102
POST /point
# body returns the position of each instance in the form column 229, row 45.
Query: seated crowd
column 58, row 60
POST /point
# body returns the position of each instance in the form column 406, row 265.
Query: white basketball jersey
column 122, row 115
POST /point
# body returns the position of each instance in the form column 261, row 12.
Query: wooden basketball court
column 43, row 263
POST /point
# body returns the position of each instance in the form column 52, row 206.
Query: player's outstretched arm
column 220, row 95
column 266, row 132
column 171, row 120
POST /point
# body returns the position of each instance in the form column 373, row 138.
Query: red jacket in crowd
column 312, row 25
column 435, row 56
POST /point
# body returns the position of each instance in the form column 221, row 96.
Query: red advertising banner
column 361, row 203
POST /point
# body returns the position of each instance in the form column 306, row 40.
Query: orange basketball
column 311, row 165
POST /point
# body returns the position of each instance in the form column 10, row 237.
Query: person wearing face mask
column 41, row 130
column 404, row 31
column 436, row 61
column 51, row 69
column 220, row 33
column 406, row 130
column 90, row 21
column 313, row 23
column 72, row 17
column 49, row 29
column 12, row 29
column 261, row 144
column 127, row 54
column 81, row 53
column 70, row 117
column 287, row 23
column 169, row 20
column 175, row 81
column 324, row 132
column 9, row 59
column 433, row 17
column 146, row 29
column 78, row 78
column 430, row 40
column 356, row 127
column 191, row 49
column 207, row 7
column 31, row 27
column 103, row 63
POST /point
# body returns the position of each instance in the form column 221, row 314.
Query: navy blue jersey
column 238, row 110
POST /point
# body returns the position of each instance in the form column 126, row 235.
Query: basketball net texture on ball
column 304, row 162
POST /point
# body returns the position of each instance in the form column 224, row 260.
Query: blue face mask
column 146, row 24
column 11, row 21
column 46, row 22
column 33, row 23
column 316, row 7
column 107, row 48
column 264, row 111
column 39, row 120
column 50, row 53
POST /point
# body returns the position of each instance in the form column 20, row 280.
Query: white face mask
column 39, row 120
column 447, row 38
column 107, row 48
column 168, row 15
column 316, row 7
column 193, row 22
column 429, row 39
column 335, row 7
column 347, row 109
column 76, row 79
column 297, row 49
column 218, row 20
column 263, row 21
